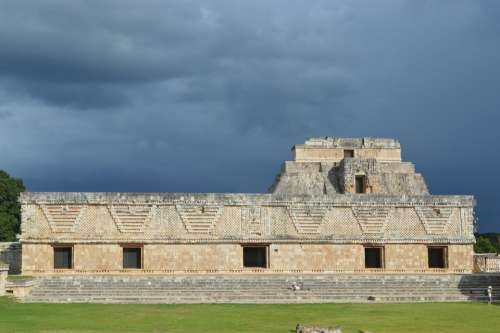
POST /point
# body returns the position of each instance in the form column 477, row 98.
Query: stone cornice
column 361, row 240
column 244, row 199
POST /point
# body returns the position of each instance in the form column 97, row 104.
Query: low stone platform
column 21, row 288
column 320, row 288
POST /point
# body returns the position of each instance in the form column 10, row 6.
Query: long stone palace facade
column 341, row 206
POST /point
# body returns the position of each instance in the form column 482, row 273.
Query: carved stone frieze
column 199, row 218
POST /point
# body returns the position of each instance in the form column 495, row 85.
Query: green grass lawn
column 379, row 318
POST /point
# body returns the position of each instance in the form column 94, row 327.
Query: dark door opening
column 255, row 256
column 63, row 257
column 360, row 184
column 373, row 257
column 437, row 257
column 348, row 153
column 132, row 257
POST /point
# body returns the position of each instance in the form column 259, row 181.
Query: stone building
column 342, row 205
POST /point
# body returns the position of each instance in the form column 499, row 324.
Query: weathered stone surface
column 10, row 253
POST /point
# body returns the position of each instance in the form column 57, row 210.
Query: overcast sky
column 209, row 96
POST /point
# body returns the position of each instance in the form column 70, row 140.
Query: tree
column 10, row 209
column 494, row 238
column 483, row 245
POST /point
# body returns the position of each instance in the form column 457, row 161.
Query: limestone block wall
column 406, row 256
column 461, row 257
column 10, row 253
column 224, row 258
column 97, row 257
column 37, row 258
column 317, row 257
column 193, row 257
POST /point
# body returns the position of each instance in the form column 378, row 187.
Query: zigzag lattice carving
column 130, row 218
column 307, row 218
column 372, row 219
column 199, row 218
column 62, row 218
column 435, row 219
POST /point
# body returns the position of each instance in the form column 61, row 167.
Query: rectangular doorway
column 63, row 257
column 132, row 257
column 374, row 257
column 348, row 153
column 360, row 184
column 437, row 256
column 255, row 256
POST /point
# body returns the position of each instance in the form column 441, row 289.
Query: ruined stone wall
column 10, row 253
column 228, row 258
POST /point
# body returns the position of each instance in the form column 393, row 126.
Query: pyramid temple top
column 334, row 149
column 336, row 142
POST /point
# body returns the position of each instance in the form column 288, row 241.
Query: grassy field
column 379, row 318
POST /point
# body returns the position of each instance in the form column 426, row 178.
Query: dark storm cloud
column 97, row 42
column 209, row 96
column 82, row 96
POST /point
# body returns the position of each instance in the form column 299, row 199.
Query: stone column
column 4, row 270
